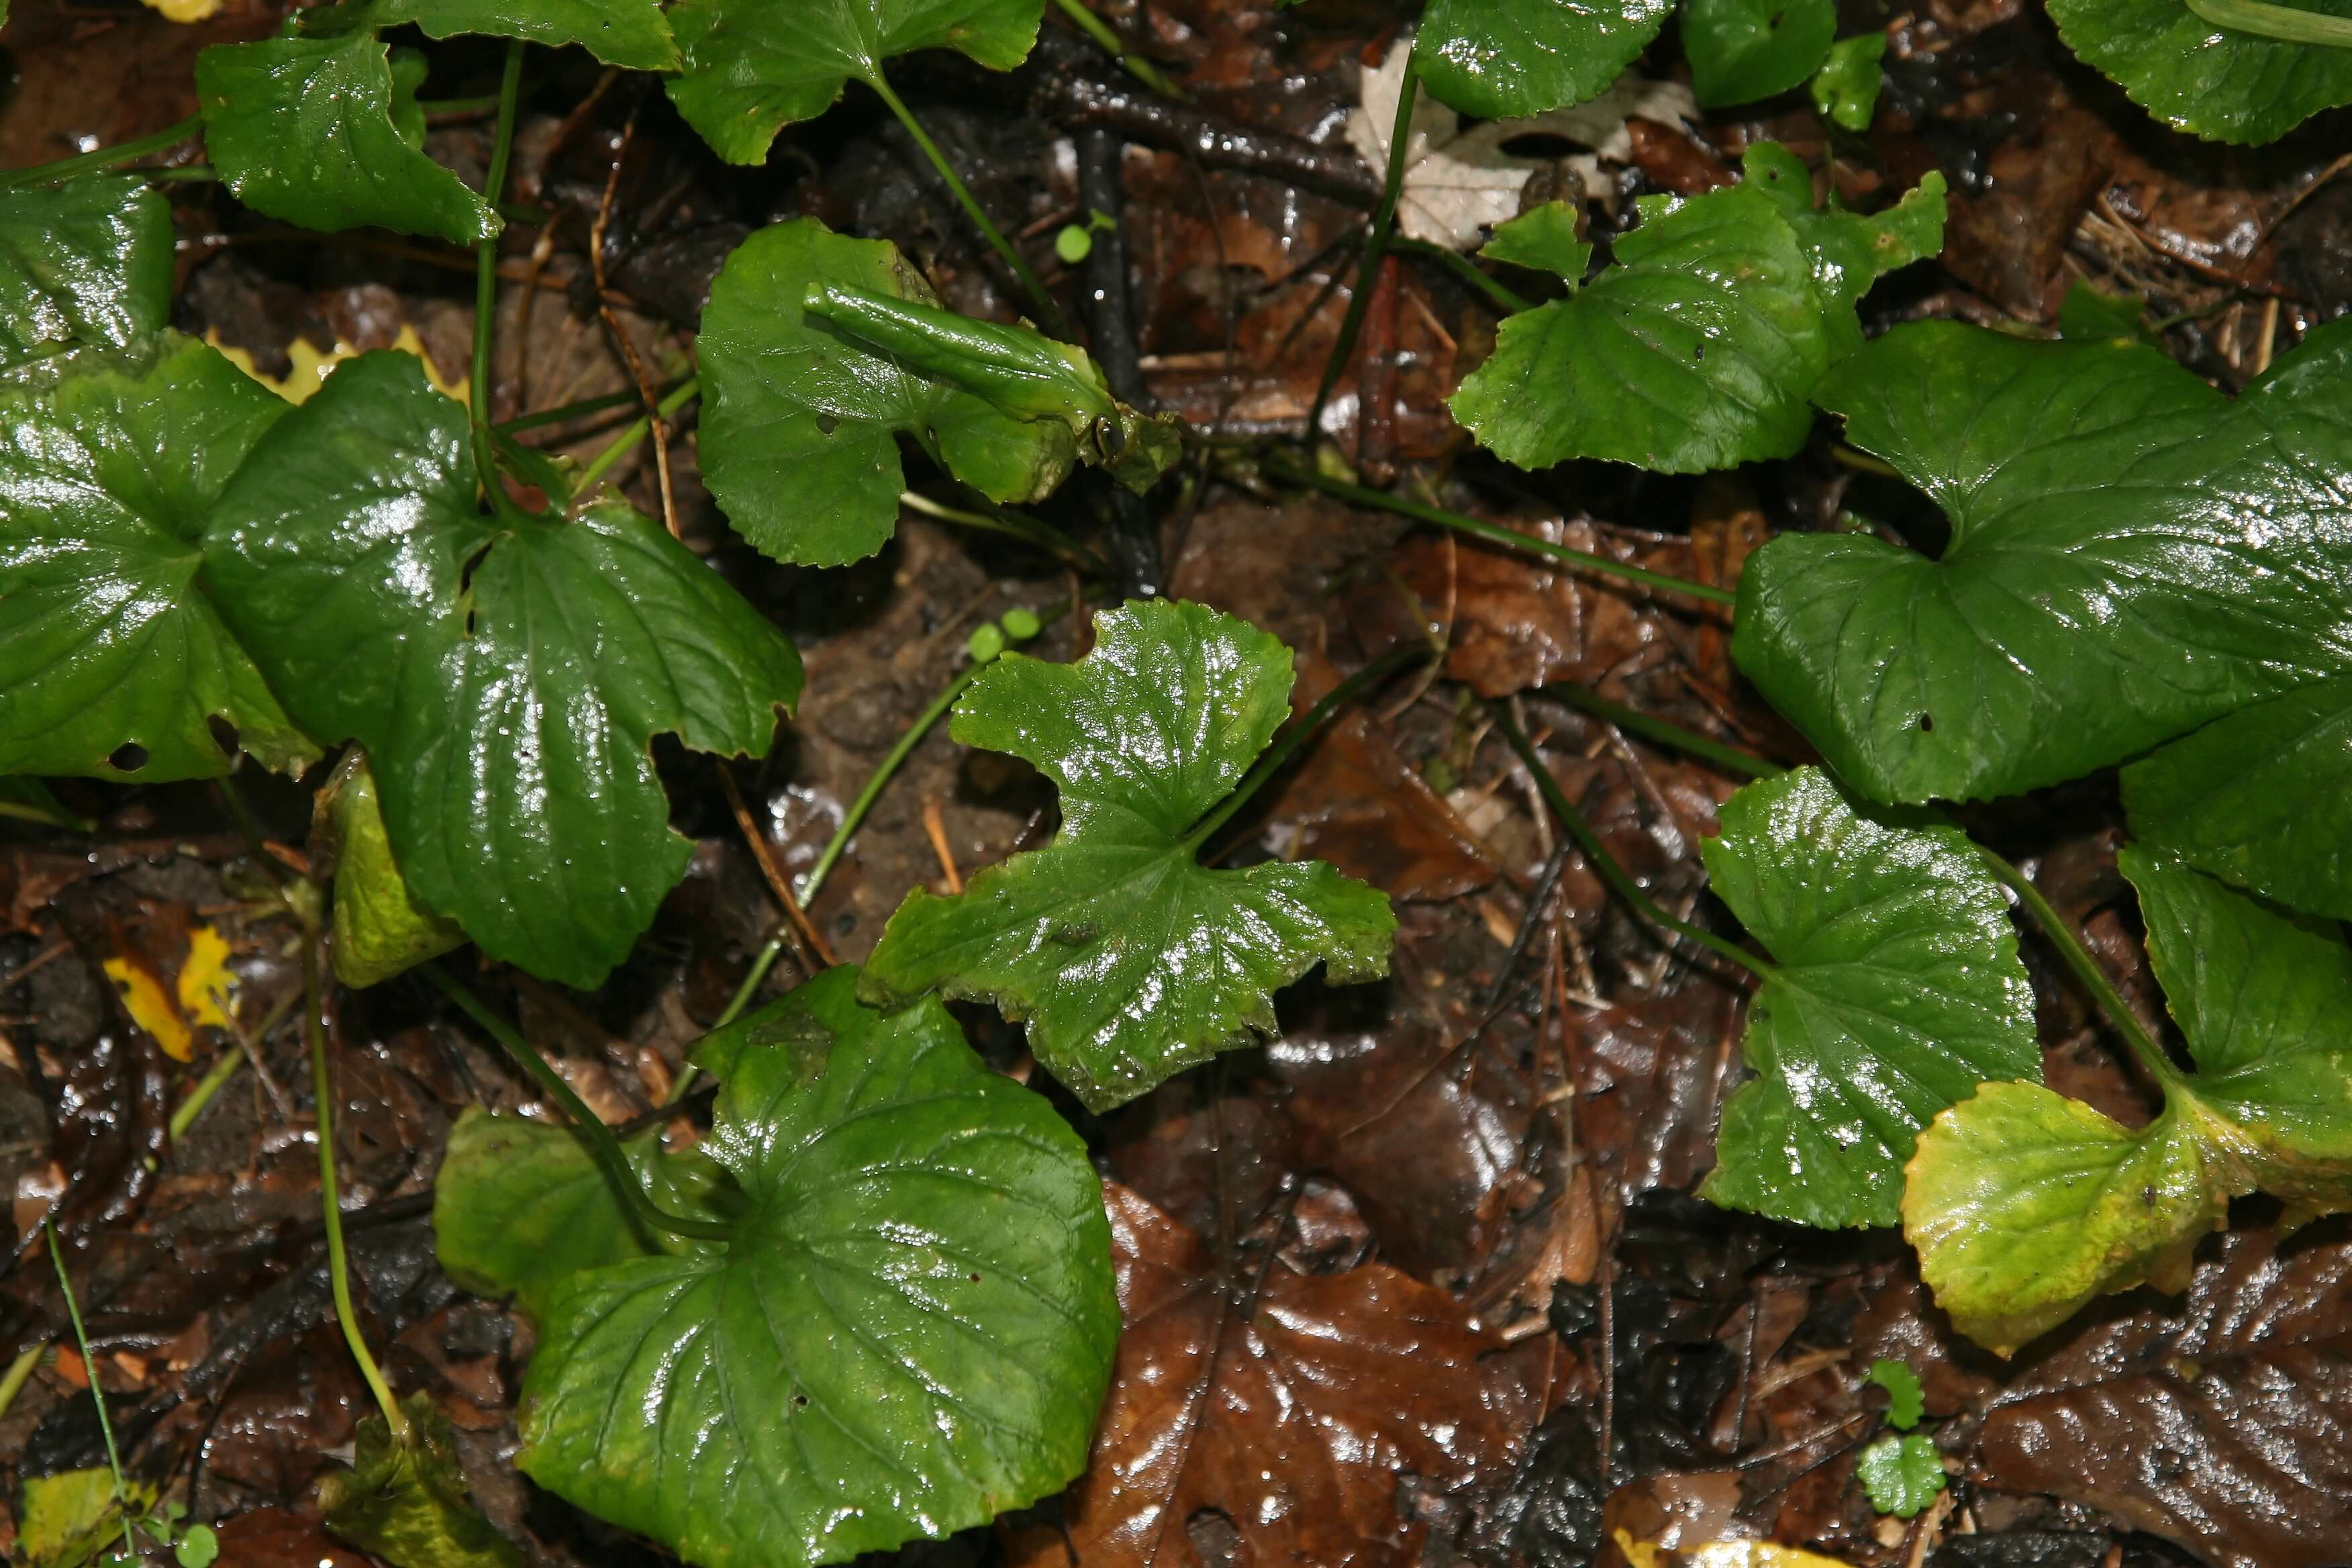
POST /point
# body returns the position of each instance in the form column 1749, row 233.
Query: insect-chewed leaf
column 324, row 131
column 753, row 66
column 1741, row 50
column 1506, row 59
column 507, row 679
column 406, row 1498
column 89, row 261
column 909, row 1331
column 631, row 33
column 2024, row 1206
column 114, row 662
column 2216, row 82
column 1895, row 990
column 1701, row 349
column 1130, row 960
column 800, row 435
column 2131, row 556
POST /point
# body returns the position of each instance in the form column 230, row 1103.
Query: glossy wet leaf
column 2211, row 81
column 908, row 1333
column 632, row 34
column 1502, row 60
column 1128, row 959
column 508, row 679
column 2024, row 1206
column 2088, row 313
column 1902, row 1474
column 89, row 261
column 1906, row 1400
column 1895, row 990
column 1544, row 240
column 1702, row 347
column 115, row 661
column 405, row 1500
column 381, row 929
column 325, row 132
column 800, row 432
column 753, row 66
column 519, row 1207
column 66, row 1520
column 1741, row 50
column 2131, row 556
column 1845, row 89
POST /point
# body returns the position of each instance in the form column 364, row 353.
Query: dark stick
column 1134, row 538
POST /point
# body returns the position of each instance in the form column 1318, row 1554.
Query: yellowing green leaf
column 406, row 1498
column 1130, row 960
column 381, row 929
column 65, row 1520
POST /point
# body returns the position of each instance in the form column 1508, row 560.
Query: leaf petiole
column 1049, row 314
column 1506, row 299
column 485, row 306
column 684, row 392
column 1620, row 880
column 2077, row 958
column 104, row 157
column 2286, row 22
column 1013, row 524
column 600, row 1140
column 1376, row 242
column 97, row 1395
column 1731, row 759
column 1138, row 68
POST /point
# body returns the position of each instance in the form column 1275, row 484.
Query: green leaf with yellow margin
column 381, row 928
column 405, row 1500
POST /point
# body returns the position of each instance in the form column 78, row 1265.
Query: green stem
column 2077, row 957
column 1305, row 729
column 1731, row 759
column 1376, row 244
column 432, row 108
column 1620, row 880
column 1495, row 533
column 211, row 1084
column 1469, row 271
column 29, row 800
column 599, row 1138
column 2280, row 22
column 486, row 294
column 1014, row 525
column 1141, row 69
column 105, row 157
column 579, row 410
column 1048, row 314
column 329, row 1190
column 684, row 392
column 763, row 961
column 97, row 1395
column 19, row 1372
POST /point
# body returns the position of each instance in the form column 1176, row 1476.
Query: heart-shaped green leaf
column 2024, row 1206
column 89, row 261
column 113, row 662
column 1845, row 89
column 1508, row 60
column 753, row 66
column 1741, row 50
column 507, row 679
column 2220, row 84
column 1702, row 347
column 325, row 132
column 1130, row 959
column 2131, row 556
column 800, row 437
column 1895, row 989
column 910, row 1333
column 631, row 33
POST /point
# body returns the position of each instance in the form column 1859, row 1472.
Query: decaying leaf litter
column 1424, row 1280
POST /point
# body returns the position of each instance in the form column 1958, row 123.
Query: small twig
column 817, row 956
column 620, row 334
column 936, row 830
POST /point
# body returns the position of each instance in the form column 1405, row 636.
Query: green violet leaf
column 800, row 437
column 1902, row 1474
column 2211, row 81
column 507, row 679
column 1845, row 89
column 1895, row 990
column 114, row 662
column 1741, row 50
column 325, row 132
column 1130, row 960
column 2131, row 556
column 753, row 66
column 1702, row 347
column 1509, row 59
column 406, row 1498
column 631, row 33
column 1544, row 240
column 89, row 261
column 910, row 1333
column 1906, row 1402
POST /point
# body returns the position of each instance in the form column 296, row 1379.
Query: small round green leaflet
column 1902, row 1474
column 1130, row 960
column 1074, row 244
column 2200, row 74
column 1895, row 989
column 89, row 261
column 1506, row 59
column 1845, row 89
column 910, row 1332
column 1741, row 50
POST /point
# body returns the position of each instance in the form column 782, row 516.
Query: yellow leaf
column 1720, row 1554
column 151, row 1007
column 186, row 10
column 207, row 985
column 311, row 368
column 206, row 988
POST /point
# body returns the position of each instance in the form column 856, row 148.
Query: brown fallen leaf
column 2220, row 1421
column 1260, row 1415
column 281, row 1538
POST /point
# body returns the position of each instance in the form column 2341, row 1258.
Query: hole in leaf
column 224, row 733
column 1699, row 352
column 826, row 423
column 128, row 757
column 975, row 1278
column 1927, row 722
column 800, row 1402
